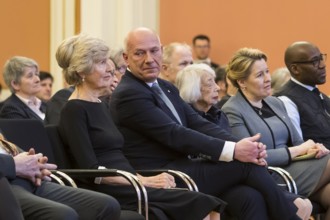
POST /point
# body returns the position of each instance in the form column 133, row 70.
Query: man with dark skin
column 307, row 107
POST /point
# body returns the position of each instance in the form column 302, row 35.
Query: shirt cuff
column 99, row 179
column 227, row 153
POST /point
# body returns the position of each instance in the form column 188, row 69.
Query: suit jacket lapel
column 30, row 114
column 166, row 89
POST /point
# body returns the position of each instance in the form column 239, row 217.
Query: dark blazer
column 245, row 122
column 8, row 204
column 149, row 127
column 8, row 169
column 13, row 107
column 7, row 166
column 314, row 113
column 214, row 65
column 55, row 105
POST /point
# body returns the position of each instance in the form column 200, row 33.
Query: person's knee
column 251, row 198
column 252, row 205
column 62, row 213
column 246, row 203
column 111, row 207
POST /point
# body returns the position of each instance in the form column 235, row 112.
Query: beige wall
column 268, row 25
column 25, row 31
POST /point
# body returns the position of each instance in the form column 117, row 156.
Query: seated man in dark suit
column 161, row 131
column 307, row 108
column 38, row 199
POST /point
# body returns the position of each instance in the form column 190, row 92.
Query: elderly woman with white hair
column 21, row 75
column 198, row 88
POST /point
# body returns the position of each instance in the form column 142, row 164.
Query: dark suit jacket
column 7, row 166
column 13, row 107
column 153, row 136
column 245, row 122
column 214, row 65
column 9, row 207
column 8, row 169
column 55, row 105
column 314, row 120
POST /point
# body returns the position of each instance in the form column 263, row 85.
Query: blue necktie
column 169, row 104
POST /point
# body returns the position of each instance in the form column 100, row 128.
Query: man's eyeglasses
column 315, row 61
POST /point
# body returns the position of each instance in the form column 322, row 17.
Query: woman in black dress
column 87, row 128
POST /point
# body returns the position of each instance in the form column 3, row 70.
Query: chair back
column 61, row 154
column 26, row 134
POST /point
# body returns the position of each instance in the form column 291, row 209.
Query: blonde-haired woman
column 253, row 111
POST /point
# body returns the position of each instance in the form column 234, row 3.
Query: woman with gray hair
column 197, row 87
column 93, row 140
column 278, row 78
column 21, row 74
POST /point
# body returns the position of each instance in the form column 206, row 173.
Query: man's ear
column 125, row 57
column 293, row 68
column 164, row 67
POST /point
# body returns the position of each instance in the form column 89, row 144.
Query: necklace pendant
column 260, row 113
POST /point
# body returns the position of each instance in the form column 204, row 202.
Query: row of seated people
column 125, row 100
column 26, row 192
column 186, row 199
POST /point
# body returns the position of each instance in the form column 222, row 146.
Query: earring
column 83, row 79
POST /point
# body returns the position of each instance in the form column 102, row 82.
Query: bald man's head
column 143, row 53
column 176, row 56
column 297, row 52
column 306, row 63
column 137, row 33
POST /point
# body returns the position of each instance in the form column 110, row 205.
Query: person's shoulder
column 167, row 84
column 214, row 65
column 231, row 103
column 235, row 103
column 274, row 100
column 286, row 88
column 73, row 106
column 12, row 101
column 63, row 93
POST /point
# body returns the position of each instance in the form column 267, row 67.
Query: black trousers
column 52, row 201
column 246, row 187
column 9, row 207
